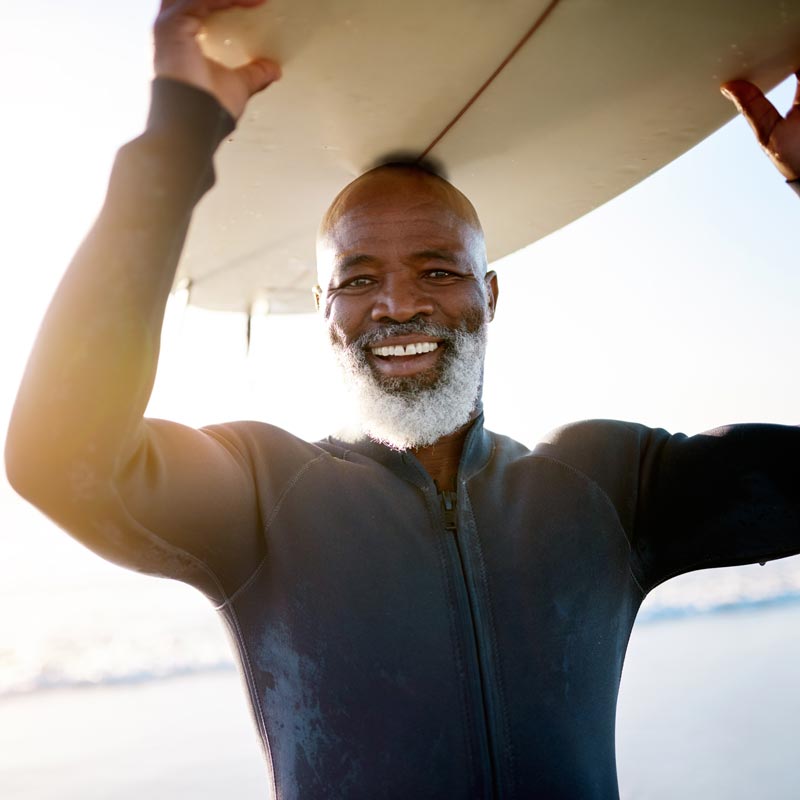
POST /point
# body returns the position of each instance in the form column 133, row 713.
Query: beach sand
column 709, row 708
column 188, row 737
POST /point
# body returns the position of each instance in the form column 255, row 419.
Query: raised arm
column 779, row 136
column 77, row 446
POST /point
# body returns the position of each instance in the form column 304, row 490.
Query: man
column 425, row 609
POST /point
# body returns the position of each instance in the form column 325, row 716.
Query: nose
column 400, row 298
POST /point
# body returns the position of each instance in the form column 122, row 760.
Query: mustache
column 414, row 326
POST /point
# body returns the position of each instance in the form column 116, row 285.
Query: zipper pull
column 449, row 507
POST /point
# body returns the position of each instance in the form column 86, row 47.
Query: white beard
column 406, row 413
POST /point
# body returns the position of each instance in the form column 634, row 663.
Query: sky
column 673, row 305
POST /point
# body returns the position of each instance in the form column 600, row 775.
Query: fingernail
column 732, row 98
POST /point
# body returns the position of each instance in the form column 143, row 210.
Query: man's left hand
column 779, row 136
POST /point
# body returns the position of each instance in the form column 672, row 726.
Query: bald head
column 399, row 179
column 403, row 195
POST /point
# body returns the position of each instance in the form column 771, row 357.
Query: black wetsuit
column 402, row 643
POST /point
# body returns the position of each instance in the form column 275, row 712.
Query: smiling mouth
column 397, row 350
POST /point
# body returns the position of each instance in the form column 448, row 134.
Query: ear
column 317, row 292
column 492, row 292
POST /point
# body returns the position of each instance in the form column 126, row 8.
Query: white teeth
column 408, row 350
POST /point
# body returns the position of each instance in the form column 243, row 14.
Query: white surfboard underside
column 602, row 94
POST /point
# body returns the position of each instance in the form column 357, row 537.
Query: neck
column 441, row 459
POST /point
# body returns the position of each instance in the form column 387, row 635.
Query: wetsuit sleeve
column 729, row 496
column 726, row 497
column 155, row 496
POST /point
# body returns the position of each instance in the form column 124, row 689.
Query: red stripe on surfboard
column 536, row 25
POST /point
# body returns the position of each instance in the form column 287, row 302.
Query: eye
column 358, row 282
column 439, row 274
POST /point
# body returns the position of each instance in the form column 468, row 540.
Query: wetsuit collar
column 476, row 452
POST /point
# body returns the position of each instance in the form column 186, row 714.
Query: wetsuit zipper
column 449, row 507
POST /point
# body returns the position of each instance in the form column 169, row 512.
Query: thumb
column 754, row 106
column 259, row 74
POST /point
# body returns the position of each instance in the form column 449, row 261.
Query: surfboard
column 538, row 110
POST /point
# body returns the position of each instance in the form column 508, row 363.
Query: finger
column 259, row 74
column 212, row 6
column 200, row 9
column 183, row 19
column 755, row 107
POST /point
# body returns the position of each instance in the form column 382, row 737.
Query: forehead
column 387, row 206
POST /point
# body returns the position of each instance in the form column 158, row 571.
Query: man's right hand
column 178, row 54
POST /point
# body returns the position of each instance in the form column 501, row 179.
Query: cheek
column 345, row 314
column 470, row 307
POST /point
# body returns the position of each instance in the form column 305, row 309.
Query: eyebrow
column 436, row 255
column 347, row 263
